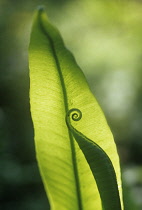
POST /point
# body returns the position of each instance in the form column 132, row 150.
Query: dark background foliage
column 106, row 39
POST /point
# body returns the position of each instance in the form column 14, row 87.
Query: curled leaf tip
column 75, row 114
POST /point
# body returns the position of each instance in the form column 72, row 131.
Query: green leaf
column 99, row 162
column 57, row 85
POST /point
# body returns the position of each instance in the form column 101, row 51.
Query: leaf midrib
column 65, row 98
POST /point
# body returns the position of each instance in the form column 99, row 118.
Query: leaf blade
column 57, row 85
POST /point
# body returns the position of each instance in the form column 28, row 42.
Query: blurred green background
column 106, row 38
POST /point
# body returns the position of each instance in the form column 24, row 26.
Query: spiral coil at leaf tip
column 75, row 114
